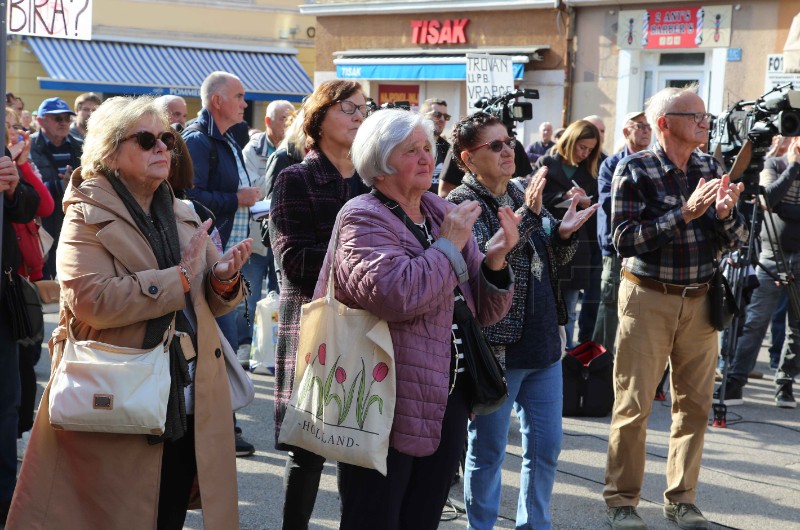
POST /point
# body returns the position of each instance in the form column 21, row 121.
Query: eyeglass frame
column 60, row 117
column 511, row 143
column 138, row 136
column 365, row 109
column 703, row 115
column 438, row 115
column 641, row 126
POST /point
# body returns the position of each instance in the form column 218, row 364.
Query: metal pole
column 3, row 45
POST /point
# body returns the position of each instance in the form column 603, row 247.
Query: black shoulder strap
column 213, row 156
column 398, row 211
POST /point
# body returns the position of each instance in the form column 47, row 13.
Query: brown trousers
column 655, row 328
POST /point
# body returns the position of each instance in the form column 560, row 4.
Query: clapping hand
column 501, row 243
column 574, row 219
column 727, row 196
column 9, row 177
column 232, row 261
column 533, row 193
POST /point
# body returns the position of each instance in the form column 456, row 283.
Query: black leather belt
column 684, row 291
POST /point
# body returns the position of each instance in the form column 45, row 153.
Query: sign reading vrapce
column 65, row 19
column 488, row 76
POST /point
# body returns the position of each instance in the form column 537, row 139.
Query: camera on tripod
column 755, row 123
column 508, row 112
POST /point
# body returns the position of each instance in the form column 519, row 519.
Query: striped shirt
column 649, row 231
column 241, row 220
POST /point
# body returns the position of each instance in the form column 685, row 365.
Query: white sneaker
column 243, row 354
column 22, row 445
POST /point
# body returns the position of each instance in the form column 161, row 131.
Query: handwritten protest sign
column 65, row 19
column 488, row 76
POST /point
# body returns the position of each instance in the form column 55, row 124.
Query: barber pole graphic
column 698, row 40
column 645, row 28
column 630, row 31
column 717, row 23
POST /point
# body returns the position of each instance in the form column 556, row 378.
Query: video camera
column 508, row 112
column 758, row 121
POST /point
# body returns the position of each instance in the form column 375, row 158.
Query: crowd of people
column 550, row 246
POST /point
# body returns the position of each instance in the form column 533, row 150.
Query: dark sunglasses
column 147, row 140
column 496, row 145
column 435, row 114
column 60, row 118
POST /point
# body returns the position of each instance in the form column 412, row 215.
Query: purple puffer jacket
column 381, row 267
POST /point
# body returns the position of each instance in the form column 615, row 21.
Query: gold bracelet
column 217, row 278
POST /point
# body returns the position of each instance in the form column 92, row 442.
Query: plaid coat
column 306, row 199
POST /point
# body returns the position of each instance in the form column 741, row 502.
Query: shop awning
column 401, row 64
column 131, row 68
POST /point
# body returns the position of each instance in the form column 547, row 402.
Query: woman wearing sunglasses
column 572, row 167
column 526, row 340
column 305, row 201
column 134, row 261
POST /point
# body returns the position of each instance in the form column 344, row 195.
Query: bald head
column 597, row 121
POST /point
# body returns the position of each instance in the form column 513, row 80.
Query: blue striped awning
column 125, row 68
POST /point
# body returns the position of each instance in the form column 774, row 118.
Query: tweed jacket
column 380, row 266
column 305, row 201
column 559, row 252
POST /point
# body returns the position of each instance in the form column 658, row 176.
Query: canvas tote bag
column 343, row 396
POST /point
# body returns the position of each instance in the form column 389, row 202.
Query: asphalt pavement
column 750, row 477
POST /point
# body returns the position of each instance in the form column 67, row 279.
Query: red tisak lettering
column 459, row 37
column 436, row 32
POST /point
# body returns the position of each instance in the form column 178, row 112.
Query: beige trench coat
column 111, row 282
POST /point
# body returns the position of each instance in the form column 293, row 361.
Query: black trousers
column 412, row 494
column 300, row 485
column 178, row 469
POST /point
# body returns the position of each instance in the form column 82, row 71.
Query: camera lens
column 789, row 123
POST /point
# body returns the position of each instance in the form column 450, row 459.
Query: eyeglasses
column 60, row 118
column 496, row 145
column 147, row 140
column 436, row 115
column 699, row 117
column 642, row 126
column 348, row 107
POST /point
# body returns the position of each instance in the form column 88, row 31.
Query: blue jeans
column 256, row 269
column 537, row 397
column 759, row 314
column 571, row 301
column 778, row 331
column 9, row 412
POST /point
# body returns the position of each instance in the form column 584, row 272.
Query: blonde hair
column 109, row 124
column 577, row 131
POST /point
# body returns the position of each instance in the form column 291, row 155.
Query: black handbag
column 487, row 379
column 24, row 309
column 721, row 301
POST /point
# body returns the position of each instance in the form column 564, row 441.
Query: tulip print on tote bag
column 343, row 396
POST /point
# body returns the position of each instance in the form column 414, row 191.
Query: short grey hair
column 164, row 101
column 213, row 85
column 379, row 135
column 275, row 106
column 660, row 102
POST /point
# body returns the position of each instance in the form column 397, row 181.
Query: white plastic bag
column 265, row 335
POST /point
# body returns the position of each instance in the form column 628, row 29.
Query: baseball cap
column 631, row 115
column 54, row 106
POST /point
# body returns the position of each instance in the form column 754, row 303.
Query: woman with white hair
column 400, row 254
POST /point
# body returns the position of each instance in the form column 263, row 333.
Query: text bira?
column 345, row 441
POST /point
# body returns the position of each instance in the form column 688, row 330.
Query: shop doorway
column 663, row 70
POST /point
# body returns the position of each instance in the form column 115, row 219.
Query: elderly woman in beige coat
column 134, row 260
